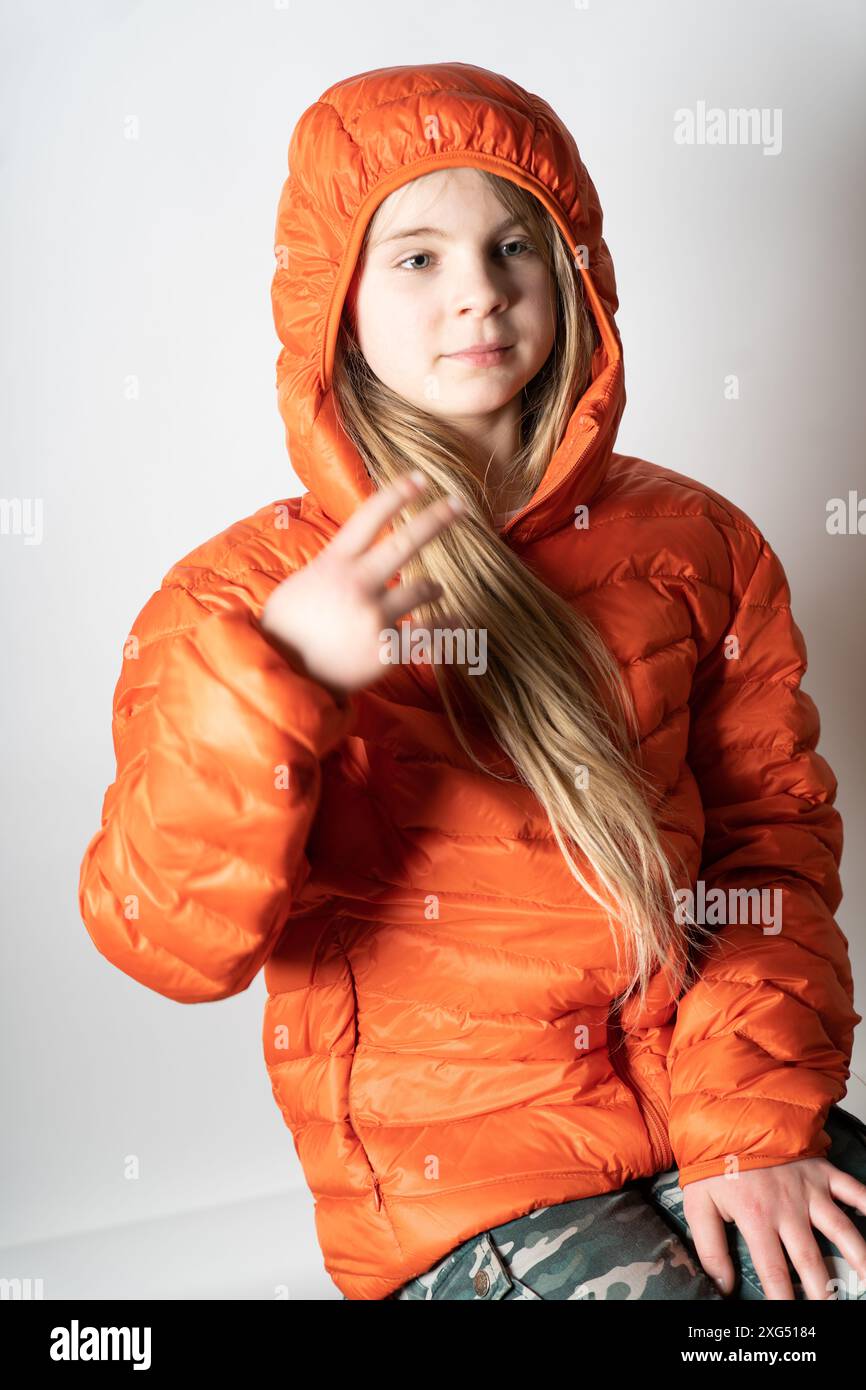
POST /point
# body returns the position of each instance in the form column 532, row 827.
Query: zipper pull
column 377, row 1195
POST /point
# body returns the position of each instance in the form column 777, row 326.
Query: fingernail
column 455, row 502
column 417, row 477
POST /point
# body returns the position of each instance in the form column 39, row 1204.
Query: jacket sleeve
column 762, row 1041
column 218, row 741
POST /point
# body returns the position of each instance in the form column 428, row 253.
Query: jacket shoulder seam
column 207, row 572
column 674, row 516
column 715, row 499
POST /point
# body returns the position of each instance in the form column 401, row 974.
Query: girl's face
column 447, row 269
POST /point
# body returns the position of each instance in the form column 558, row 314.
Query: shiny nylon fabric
column 430, row 962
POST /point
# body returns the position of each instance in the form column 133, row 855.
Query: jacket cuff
column 718, row 1167
column 714, row 1136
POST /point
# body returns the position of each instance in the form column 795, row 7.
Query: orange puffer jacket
column 428, row 957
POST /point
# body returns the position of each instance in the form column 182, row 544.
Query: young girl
column 544, row 885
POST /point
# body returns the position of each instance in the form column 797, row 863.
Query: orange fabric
column 428, row 958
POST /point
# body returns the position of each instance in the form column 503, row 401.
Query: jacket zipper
column 659, row 1142
column 374, row 1179
column 518, row 515
column 377, row 1192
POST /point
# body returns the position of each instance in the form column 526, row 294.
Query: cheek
column 407, row 335
column 546, row 317
column 388, row 322
column 540, row 308
column 371, row 319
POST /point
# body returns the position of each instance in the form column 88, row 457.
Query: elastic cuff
column 718, row 1167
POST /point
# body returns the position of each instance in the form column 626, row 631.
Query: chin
column 482, row 402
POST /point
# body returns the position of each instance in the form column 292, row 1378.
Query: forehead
column 446, row 198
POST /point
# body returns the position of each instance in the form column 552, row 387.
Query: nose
column 478, row 289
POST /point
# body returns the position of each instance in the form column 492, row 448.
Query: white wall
column 152, row 258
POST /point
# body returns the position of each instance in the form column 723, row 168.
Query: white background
column 152, row 258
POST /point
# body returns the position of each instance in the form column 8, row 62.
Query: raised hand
column 329, row 615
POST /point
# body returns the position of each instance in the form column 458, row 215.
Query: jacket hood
column 367, row 136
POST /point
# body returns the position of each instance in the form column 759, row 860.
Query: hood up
column 367, row 136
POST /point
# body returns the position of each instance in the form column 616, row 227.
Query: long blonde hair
column 545, row 693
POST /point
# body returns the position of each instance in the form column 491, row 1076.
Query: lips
column 482, row 354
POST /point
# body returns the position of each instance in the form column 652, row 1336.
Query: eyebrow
column 437, row 231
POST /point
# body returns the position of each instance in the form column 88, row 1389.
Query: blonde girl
column 548, row 937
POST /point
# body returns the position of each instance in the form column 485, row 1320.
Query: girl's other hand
column 330, row 614
column 774, row 1207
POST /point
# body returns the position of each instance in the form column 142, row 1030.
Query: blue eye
column 415, row 258
column 425, row 255
column 527, row 244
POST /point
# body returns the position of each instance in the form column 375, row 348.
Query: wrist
column 294, row 657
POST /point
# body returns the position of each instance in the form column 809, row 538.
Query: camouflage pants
column 629, row 1244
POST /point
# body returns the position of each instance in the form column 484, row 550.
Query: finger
column 406, row 597
column 805, row 1255
column 832, row 1222
column 365, row 523
column 708, row 1236
column 845, row 1188
column 392, row 553
column 768, row 1257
